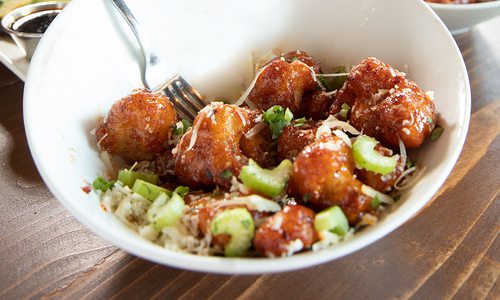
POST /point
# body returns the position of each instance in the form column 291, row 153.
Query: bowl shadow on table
column 19, row 157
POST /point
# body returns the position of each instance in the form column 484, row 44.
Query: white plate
column 84, row 63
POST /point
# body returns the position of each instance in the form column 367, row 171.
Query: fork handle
column 150, row 58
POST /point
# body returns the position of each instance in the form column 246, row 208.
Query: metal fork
column 186, row 100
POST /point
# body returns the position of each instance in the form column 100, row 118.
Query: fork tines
column 186, row 100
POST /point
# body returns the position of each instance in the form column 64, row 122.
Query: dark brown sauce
column 38, row 24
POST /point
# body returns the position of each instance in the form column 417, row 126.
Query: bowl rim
column 464, row 7
column 223, row 265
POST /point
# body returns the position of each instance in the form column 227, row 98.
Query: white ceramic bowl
column 460, row 17
column 83, row 64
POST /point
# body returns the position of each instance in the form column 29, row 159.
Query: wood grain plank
column 480, row 283
column 446, row 281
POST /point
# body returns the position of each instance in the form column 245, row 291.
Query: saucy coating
column 289, row 230
column 315, row 105
column 137, row 127
column 323, row 176
column 382, row 183
column 260, row 146
column 293, row 139
column 303, row 57
column 282, row 83
column 209, row 154
column 386, row 105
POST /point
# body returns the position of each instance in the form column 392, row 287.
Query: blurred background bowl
column 459, row 18
column 27, row 24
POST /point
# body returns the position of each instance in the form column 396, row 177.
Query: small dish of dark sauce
column 37, row 25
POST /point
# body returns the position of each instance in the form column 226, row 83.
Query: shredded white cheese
column 371, row 192
column 256, row 129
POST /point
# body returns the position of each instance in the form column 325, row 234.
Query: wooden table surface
column 449, row 250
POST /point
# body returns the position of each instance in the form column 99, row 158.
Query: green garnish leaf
column 436, row 133
column 102, row 184
column 181, row 127
column 344, row 110
column 335, row 82
column 294, row 59
column 226, row 174
column 375, row 202
column 429, row 120
column 277, row 117
column 409, row 163
column 306, row 197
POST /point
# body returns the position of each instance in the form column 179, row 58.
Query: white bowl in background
column 460, row 17
column 83, row 64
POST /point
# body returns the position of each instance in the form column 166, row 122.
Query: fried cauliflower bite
column 260, row 146
column 382, row 183
column 386, row 105
column 137, row 127
column 286, row 232
column 316, row 105
column 323, row 176
column 209, row 153
column 283, row 82
column 295, row 138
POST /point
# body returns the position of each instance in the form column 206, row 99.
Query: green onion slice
column 277, row 117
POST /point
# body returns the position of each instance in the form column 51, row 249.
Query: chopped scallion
column 344, row 110
column 102, row 184
column 277, row 117
column 436, row 133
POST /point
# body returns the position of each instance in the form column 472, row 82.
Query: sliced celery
column 332, row 219
column 181, row 190
column 368, row 158
column 128, row 177
column 166, row 212
column 237, row 223
column 148, row 190
column 270, row 182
